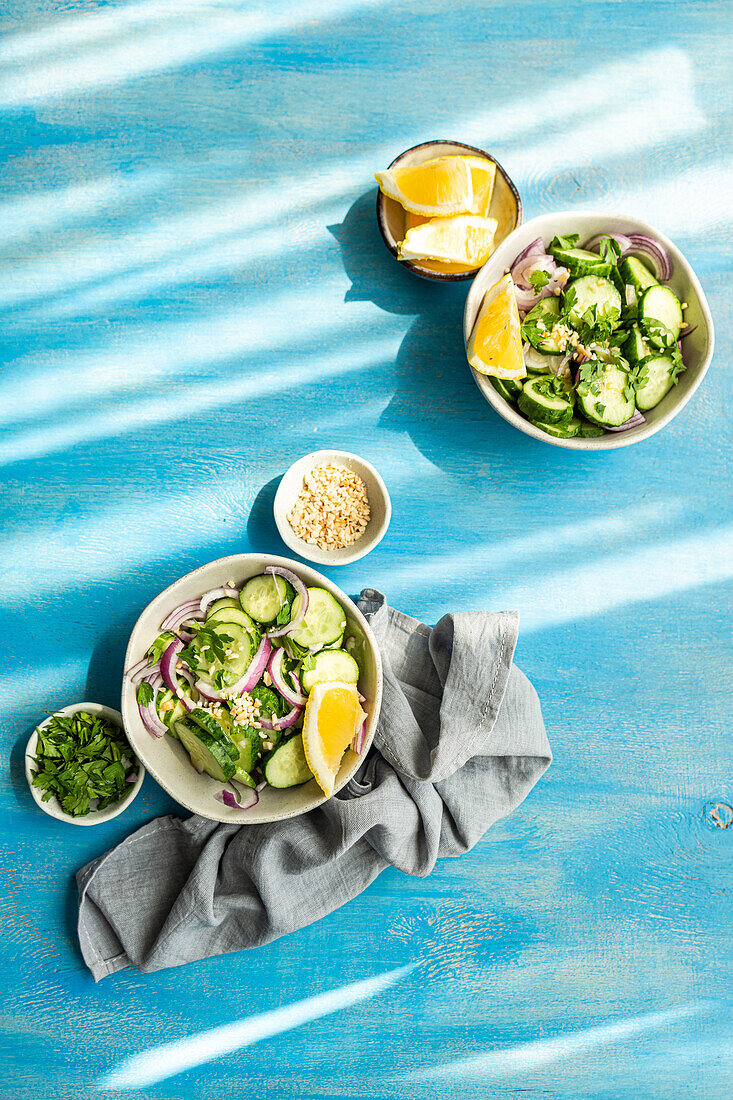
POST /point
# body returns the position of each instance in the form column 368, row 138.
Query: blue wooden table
column 193, row 294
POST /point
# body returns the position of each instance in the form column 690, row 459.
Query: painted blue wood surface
column 193, row 294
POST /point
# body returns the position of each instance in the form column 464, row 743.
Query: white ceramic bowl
column 697, row 348
column 166, row 759
column 379, row 502
column 506, row 205
column 52, row 807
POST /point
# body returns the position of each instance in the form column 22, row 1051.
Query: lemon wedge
column 495, row 346
column 436, row 188
column 333, row 715
column 483, row 174
column 460, row 239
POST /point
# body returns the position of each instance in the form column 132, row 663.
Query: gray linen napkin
column 460, row 743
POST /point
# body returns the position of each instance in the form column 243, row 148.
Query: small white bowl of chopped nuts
column 332, row 507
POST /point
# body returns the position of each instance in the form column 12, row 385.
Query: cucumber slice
column 234, row 615
column 566, row 429
column 635, row 348
column 330, row 665
column 219, row 605
column 660, row 316
column 249, row 743
column 286, row 765
column 579, row 261
column 205, row 720
column 592, row 292
column 508, row 388
column 538, row 401
column 324, row 620
column 537, row 363
column 607, row 397
column 264, row 597
column 235, row 639
column 657, row 375
column 537, row 327
column 206, row 751
column 589, row 431
column 635, row 273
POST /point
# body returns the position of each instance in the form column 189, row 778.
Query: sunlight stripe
column 522, row 1058
column 170, row 1059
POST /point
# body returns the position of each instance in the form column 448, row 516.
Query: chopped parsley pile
column 83, row 760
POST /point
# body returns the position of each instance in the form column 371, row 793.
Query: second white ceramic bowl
column 697, row 348
column 379, row 503
column 166, row 759
column 52, row 806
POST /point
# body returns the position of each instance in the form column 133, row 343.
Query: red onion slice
column 189, row 610
column 536, row 248
column 170, row 673
column 634, row 421
column 216, row 594
column 136, row 671
column 239, row 800
column 621, row 240
column 281, row 723
column 358, row 743
column 149, row 714
column 296, row 698
column 300, row 589
column 640, row 244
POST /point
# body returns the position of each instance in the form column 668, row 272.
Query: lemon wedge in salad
column 462, row 239
column 333, row 715
column 495, row 346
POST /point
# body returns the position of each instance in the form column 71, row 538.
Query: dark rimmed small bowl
column 506, row 206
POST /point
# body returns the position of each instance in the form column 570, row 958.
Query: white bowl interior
column 505, row 204
column 697, row 348
column 52, row 807
column 166, row 759
column 379, row 503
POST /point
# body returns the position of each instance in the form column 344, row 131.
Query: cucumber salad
column 601, row 333
column 230, row 675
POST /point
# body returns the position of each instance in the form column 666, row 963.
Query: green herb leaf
column 159, row 646
column 538, row 279
column 570, row 240
column 145, row 694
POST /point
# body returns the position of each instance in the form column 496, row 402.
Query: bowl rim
column 52, row 807
column 412, row 265
column 315, row 554
column 611, row 440
column 226, row 564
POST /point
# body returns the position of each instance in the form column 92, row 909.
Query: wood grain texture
column 194, row 294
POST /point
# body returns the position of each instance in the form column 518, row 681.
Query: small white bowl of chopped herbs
column 332, row 507
column 611, row 333
column 80, row 767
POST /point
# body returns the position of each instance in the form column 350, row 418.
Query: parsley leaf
column 538, row 279
column 159, row 646
column 145, row 694
column 570, row 240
